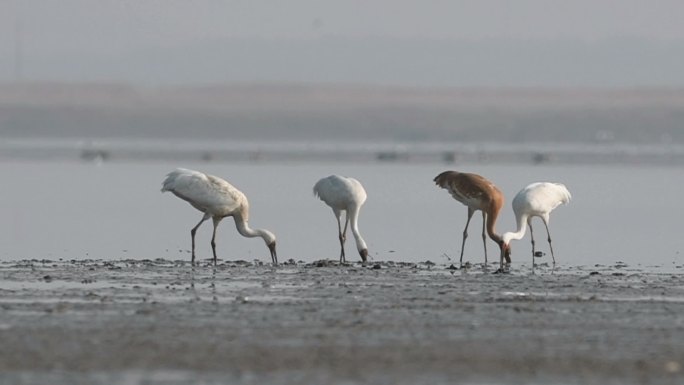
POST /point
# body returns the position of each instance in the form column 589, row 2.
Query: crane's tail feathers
column 565, row 193
column 317, row 188
column 172, row 177
column 167, row 184
column 442, row 180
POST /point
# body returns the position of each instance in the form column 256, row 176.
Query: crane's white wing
column 541, row 197
column 339, row 192
column 204, row 192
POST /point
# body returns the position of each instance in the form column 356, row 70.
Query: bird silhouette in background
column 536, row 200
column 348, row 195
column 217, row 199
column 477, row 193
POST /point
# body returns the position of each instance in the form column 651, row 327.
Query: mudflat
column 163, row 321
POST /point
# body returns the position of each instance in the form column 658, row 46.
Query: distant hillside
column 311, row 113
column 423, row 62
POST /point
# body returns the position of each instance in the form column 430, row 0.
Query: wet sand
column 161, row 321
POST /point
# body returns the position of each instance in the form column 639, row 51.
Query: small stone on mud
column 377, row 266
column 672, row 367
column 47, row 278
column 594, row 273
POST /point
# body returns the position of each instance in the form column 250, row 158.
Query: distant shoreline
column 147, row 150
column 309, row 113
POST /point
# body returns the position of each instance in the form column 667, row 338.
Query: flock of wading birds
column 217, row 199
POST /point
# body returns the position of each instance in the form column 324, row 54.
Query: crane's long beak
column 364, row 254
column 506, row 252
column 274, row 255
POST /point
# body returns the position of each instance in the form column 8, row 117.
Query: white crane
column 536, row 200
column 344, row 194
column 477, row 193
column 217, row 199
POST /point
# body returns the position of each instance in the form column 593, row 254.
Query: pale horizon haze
column 417, row 43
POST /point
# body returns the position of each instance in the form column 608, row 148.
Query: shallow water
column 115, row 210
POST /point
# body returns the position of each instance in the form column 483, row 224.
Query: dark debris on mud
column 617, row 269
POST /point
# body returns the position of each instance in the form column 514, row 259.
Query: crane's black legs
column 484, row 237
column 192, row 235
column 213, row 238
column 465, row 234
column 529, row 224
column 549, row 239
column 342, row 235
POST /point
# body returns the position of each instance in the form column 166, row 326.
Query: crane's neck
column 522, row 227
column 246, row 231
column 492, row 216
column 353, row 215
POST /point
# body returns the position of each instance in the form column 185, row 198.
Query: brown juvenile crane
column 477, row 193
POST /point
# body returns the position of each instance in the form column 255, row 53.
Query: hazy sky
column 80, row 39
